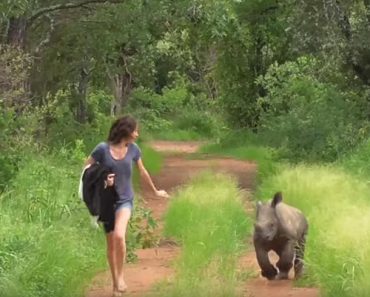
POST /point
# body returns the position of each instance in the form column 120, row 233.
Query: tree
column 335, row 27
column 21, row 15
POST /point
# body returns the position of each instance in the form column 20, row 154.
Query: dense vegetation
column 290, row 76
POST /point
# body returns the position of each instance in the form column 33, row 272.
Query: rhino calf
column 281, row 228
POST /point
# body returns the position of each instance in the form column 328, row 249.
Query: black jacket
column 99, row 199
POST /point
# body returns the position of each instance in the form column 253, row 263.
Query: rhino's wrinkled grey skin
column 281, row 228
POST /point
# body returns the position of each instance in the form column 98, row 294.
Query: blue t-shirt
column 122, row 168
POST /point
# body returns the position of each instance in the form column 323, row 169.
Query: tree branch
column 48, row 35
column 367, row 7
column 45, row 10
column 346, row 29
column 343, row 21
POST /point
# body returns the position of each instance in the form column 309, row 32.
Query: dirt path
column 155, row 264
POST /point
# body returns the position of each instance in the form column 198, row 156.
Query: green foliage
column 337, row 207
column 15, row 120
column 194, row 118
column 58, row 128
column 17, row 132
column 140, row 232
column 15, row 67
column 212, row 231
column 308, row 118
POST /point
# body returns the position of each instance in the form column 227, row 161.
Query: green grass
column 337, row 206
column 207, row 217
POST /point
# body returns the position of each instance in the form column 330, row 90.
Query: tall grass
column 338, row 209
column 358, row 160
column 208, row 218
column 45, row 238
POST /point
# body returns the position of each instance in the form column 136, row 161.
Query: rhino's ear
column 278, row 197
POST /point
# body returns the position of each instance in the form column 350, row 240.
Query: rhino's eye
column 271, row 225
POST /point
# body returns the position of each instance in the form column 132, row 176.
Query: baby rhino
column 281, row 228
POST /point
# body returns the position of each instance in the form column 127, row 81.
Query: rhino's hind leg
column 285, row 263
column 299, row 255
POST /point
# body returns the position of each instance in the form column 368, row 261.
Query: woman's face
column 134, row 135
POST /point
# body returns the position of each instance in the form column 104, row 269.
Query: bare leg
column 121, row 222
column 111, row 257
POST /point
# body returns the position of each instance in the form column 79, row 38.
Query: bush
column 17, row 132
column 15, row 65
column 60, row 128
column 309, row 119
column 194, row 116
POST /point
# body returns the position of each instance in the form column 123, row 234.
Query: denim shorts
column 126, row 204
column 109, row 226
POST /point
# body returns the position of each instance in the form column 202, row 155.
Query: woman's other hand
column 162, row 193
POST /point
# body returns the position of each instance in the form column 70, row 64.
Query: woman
column 118, row 153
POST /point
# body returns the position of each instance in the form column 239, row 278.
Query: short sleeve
column 137, row 153
column 98, row 152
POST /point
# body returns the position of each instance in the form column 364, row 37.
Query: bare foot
column 117, row 293
column 122, row 287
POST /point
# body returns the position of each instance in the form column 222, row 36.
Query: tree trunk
column 360, row 68
column 122, row 86
column 16, row 35
column 81, row 112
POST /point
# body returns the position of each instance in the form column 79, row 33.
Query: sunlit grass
column 207, row 217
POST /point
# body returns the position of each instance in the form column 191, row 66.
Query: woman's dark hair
column 121, row 128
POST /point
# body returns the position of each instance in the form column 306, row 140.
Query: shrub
column 309, row 119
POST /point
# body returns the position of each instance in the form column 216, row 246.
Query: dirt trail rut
column 155, row 264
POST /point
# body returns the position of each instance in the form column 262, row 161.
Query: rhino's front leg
column 286, row 256
column 267, row 269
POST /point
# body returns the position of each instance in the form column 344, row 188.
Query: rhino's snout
column 264, row 232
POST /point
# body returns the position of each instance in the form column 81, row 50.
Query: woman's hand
column 110, row 180
column 162, row 193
